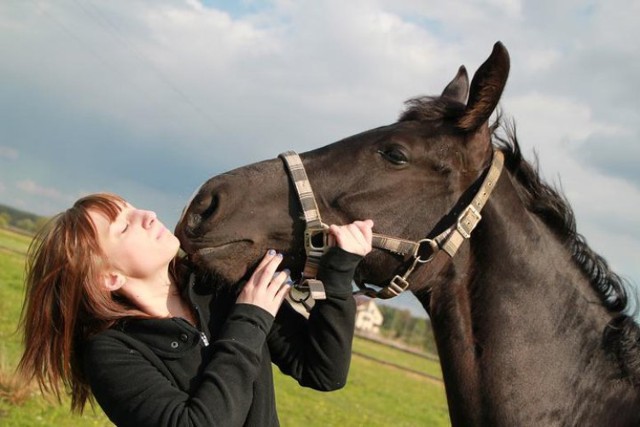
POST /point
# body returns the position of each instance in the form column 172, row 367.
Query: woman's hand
column 355, row 237
column 265, row 288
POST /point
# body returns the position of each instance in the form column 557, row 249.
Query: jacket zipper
column 203, row 336
column 204, row 339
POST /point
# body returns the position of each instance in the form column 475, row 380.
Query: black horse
column 529, row 321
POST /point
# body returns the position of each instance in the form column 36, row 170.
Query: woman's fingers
column 267, row 267
column 355, row 237
column 282, row 292
column 266, row 288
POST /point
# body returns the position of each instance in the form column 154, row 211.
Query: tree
column 41, row 222
column 429, row 343
column 400, row 323
column 5, row 219
column 26, row 224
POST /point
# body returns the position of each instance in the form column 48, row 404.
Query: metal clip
column 398, row 285
column 300, row 294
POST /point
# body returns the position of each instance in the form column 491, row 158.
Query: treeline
column 400, row 325
column 21, row 220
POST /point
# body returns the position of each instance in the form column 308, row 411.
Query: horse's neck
column 518, row 326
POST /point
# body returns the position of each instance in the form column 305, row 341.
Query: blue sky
column 150, row 98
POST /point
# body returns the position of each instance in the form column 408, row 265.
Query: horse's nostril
column 204, row 209
column 211, row 209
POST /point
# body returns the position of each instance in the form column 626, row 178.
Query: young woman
column 111, row 312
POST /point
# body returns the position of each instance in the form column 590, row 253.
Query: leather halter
column 422, row 251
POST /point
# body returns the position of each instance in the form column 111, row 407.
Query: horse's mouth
column 231, row 252
column 229, row 261
column 218, row 250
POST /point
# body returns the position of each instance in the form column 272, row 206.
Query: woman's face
column 136, row 244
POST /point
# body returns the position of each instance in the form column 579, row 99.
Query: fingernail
column 271, row 252
column 279, row 255
column 287, row 271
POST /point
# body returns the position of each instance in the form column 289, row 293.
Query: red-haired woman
column 110, row 313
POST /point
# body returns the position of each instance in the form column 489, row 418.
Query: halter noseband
column 422, row 251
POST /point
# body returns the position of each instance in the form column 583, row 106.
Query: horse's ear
column 486, row 88
column 458, row 88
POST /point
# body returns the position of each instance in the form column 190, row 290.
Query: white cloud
column 33, row 188
column 541, row 60
column 551, row 120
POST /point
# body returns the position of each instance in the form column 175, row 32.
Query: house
column 368, row 315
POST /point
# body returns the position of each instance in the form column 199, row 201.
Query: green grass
column 392, row 355
column 12, row 246
column 14, row 241
column 375, row 395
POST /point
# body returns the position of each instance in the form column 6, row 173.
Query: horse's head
column 406, row 176
column 515, row 314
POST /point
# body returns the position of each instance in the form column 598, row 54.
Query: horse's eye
column 394, row 155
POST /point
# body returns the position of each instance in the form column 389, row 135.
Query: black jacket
column 165, row 372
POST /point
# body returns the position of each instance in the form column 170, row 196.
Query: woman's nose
column 148, row 218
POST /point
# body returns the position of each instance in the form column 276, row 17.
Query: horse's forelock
column 431, row 108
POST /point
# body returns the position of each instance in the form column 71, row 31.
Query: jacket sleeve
column 317, row 351
column 128, row 381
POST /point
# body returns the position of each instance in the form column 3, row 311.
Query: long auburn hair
column 64, row 300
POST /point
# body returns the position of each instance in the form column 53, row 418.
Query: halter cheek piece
column 422, row 251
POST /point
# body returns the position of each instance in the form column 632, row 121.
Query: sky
column 148, row 99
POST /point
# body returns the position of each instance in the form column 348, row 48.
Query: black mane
column 621, row 337
column 553, row 208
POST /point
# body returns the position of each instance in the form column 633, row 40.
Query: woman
column 111, row 312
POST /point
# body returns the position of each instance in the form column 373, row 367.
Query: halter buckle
column 316, row 240
column 397, row 285
column 468, row 220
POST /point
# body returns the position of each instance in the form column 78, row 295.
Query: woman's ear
column 113, row 281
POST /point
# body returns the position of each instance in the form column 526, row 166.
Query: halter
column 421, row 251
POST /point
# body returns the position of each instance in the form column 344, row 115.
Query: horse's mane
column 622, row 336
column 552, row 207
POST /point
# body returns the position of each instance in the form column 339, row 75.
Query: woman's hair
column 65, row 302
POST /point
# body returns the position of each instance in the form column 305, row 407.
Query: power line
column 114, row 32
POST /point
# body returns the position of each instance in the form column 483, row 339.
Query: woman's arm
column 317, row 351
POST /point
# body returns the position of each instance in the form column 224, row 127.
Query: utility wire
column 113, row 29
column 110, row 28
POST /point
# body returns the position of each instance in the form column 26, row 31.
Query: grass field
column 375, row 395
